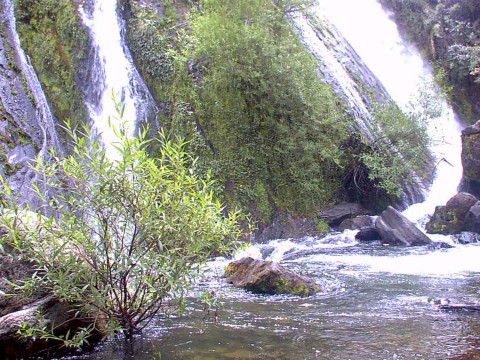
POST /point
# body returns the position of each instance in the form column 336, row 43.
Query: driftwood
column 459, row 307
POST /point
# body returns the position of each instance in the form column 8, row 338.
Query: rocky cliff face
column 27, row 128
column 471, row 159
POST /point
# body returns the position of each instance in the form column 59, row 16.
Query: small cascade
column 45, row 120
column 337, row 61
column 114, row 79
column 402, row 71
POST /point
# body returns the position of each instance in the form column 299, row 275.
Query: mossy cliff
column 234, row 80
column 54, row 38
column 448, row 32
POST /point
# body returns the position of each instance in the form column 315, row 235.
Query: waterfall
column 44, row 118
column 402, row 71
column 114, row 76
column 26, row 111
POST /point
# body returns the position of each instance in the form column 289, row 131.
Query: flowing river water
column 378, row 302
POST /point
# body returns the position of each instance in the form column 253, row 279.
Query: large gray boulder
column 450, row 219
column 285, row 226
column 396, row 229
column 356, row 223
column 267, row 277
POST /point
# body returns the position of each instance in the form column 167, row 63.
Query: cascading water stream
column 117, row 80
column 49, row 137
column 403, row 72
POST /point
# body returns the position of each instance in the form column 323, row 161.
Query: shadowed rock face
column 338, row 213
column 471, row 159
column 396, row 229
column 450, row 219
column 267, row 277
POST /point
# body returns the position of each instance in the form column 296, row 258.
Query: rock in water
column 450, row 219
column 336, row 214
column 356, row 223
column 472, row 219
column 368, row 233
column 396, row 229
column 267, row 277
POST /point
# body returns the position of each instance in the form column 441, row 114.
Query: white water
column 118, row 74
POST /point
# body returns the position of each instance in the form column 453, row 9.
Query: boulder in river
column 395, row 229
column 450, row 219
column 267, row 277
column 286, row 226
column 356, row 223
column 368, row 233
column 472, row 219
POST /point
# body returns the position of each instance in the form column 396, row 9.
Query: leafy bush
column 130, row 233
column 259, row 101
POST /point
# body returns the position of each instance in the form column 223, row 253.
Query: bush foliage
column 129, row 234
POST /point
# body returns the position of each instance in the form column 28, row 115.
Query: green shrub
column 259, row 101
column 129, row 234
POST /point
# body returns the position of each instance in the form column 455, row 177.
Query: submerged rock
column 267, row 277
column 450, row 219
column 395, row 229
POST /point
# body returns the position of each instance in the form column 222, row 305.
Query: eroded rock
column 450, row 219
column 471, row 159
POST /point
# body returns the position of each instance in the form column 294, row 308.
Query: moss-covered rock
column 267, row 277
column 450, row 219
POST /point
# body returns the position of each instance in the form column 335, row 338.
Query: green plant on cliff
column 267, row 116
column 398, row 155
column 54, row 38
column 130, row 233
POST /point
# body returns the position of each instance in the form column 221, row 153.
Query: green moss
column 321, row 226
